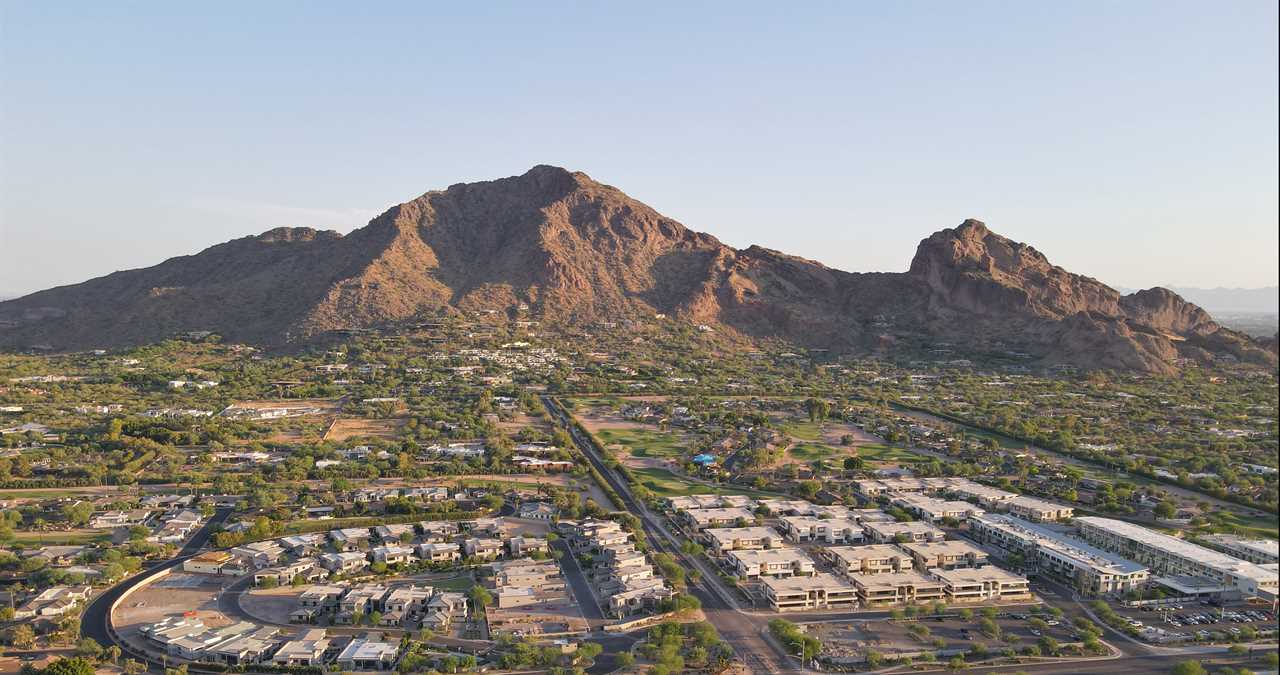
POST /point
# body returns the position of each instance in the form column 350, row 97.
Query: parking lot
column 1199, row 622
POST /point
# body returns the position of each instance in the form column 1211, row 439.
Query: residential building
column 306, row 649
column 896, row 588
column 774, row 562
column 932, row 510
column 1089, row 569
column 344, row 563
column 1173, row 557
column 871, row 559
column 978, row 584
column 439, row 552
column 482, row 549
column 820, row 591
column 701, row 519
column 1260, row 551
column 724, row 539
column 826, row 530
column 1038, row 510
column 888, row 533
column 368, row 654
column 945, row 555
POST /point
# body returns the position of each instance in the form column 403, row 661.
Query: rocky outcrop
column 574, row 250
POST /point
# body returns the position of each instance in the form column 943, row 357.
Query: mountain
column 577, row 251
column 1264, row 300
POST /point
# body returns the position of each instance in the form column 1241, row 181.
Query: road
column 581, row 587
column 96, row 621
column 744, row 632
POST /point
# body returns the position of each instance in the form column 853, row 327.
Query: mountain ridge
column 576, row 251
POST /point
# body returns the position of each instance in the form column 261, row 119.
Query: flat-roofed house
column 439, row 552
column 870, row 559
column 305, row 649
column 350, row 538
column 365, row 654
column 820, row 591
column 392, row 555
column 482, row 549
column 344, row 563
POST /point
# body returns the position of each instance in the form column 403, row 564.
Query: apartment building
column 932, row 510
column 701, row 519
column 888, row 533
column 1260, row 551
column 825, row 530
column 944, row 555
column 896, row 588
column 820, row 591
column 962, row 585
column 724, row 539
column 1038, row 510
column 392, row 555
column 1173, row 557
column 870, row 559
column 482, row 549
column 1091, row 570
column 774, row 562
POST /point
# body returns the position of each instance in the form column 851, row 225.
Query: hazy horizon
column 1135, row 143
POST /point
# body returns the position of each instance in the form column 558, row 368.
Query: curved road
column 96, row 621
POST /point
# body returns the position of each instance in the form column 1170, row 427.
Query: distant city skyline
column 1135, row 143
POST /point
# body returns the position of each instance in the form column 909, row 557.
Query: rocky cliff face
column 575, row 251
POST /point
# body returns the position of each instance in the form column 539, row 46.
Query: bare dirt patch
column 344, row 428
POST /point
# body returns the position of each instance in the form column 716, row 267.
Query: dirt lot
column 890, row 638
column 174, row 594
column 356, row 427
column 271, row 605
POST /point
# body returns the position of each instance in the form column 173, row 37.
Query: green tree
column 88, row 648
column 480, row 597
column 1189, row 668
column 73, row 666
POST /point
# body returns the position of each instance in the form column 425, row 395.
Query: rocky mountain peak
column 574, row 250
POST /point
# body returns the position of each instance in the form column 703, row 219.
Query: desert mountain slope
column 575, row 251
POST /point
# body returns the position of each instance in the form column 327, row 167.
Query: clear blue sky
column 1132, row 141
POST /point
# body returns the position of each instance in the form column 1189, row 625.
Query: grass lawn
column 887, row 453
column 461, row 583
column 803, row 430
column 60, row 538
column 811, row 451
column 663, row 483
column 643, row 442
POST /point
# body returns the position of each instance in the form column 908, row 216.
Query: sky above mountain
column 1135, row 142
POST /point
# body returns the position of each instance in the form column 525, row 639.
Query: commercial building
column 1091, row 570
column 819, row 591
column 1173, row 557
